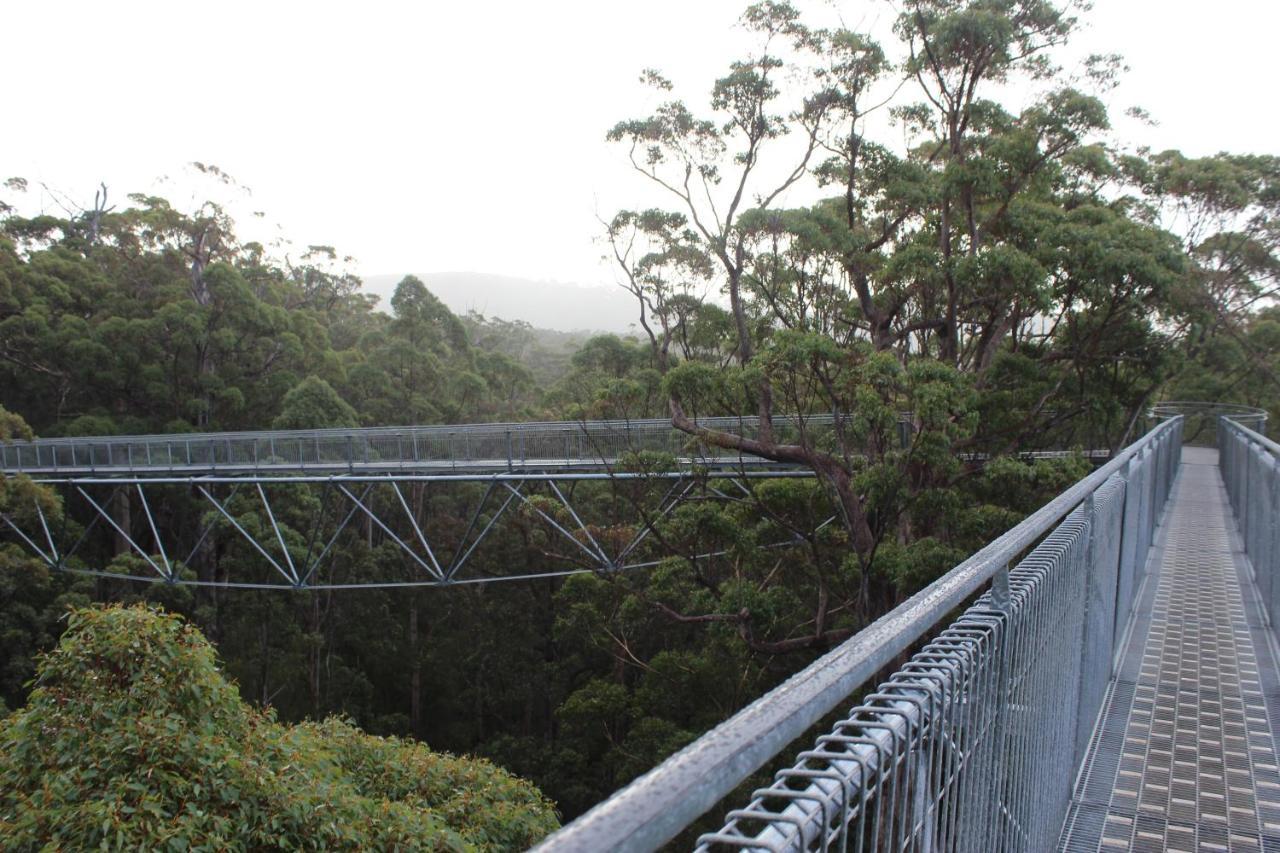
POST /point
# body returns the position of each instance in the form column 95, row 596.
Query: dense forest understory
column 1010, row 280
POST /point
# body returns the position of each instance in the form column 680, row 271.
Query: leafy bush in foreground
column 132, row 738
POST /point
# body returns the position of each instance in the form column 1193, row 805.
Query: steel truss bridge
column 138, row 490
column 390, row 482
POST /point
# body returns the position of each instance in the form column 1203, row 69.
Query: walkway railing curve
column 973, row 744
column 1250, row 464
column 1200, row 418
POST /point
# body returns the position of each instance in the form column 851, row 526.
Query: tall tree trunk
column 264, row 655
column 201, row 254
column 120, row 509
column 315, row 652
column 415, row 670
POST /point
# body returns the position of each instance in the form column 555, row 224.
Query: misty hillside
column 543, row 304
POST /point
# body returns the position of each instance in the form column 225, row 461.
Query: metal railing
column 974, row 743
column 1200, row 418
column 558, row 445
column 1250, row 464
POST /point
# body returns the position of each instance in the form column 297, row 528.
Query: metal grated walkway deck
column 1185, row 758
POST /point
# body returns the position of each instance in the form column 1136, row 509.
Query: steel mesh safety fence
column 974, row 743
column 1250, row 464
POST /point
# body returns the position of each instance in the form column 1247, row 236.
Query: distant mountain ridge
column 543, row 304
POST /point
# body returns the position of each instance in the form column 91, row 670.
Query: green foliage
column 133, row 738
column 993, row 277
column 13, row 427
column 313, row 404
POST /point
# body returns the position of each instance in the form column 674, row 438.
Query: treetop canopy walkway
column 1111, row 685
column 589, row 449
column 1101, row 676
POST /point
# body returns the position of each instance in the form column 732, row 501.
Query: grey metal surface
column 1249, row 416
column 1250, row 464
column 1184, row 757
column 971, row 745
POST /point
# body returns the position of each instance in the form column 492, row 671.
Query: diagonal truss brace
column 417, row 529
column 460, row 559
column 315, row 564
column 304, row 572
column 51, row 560
column 125, row 535
column 293, row 581
column 597, row 557
column 427, row 567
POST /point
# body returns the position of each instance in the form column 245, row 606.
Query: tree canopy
column 875, row 232
column 133, row 738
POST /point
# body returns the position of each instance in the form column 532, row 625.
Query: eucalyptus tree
column 978, row 277
column 1226, row 210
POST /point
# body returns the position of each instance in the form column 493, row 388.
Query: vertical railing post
column 1162, row 454
column 1265, row 566
column 923, row 816
column 1129, row 569
column 1095, row 603
column 1001, row 602
column 1144, row 506
column 1248, row 501
column 1272, row 565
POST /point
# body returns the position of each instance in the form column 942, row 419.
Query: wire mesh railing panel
column 1250, row 465
column 973, row 743
column 1103, row 606
column 969, row 746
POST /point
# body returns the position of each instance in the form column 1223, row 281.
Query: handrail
column 1253, row 435
column 658, row 805
column 1238, row 412
column 617, row 424
column 486, row 445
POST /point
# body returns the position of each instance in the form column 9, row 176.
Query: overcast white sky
column 470, row 136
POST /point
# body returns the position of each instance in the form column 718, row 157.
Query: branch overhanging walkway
column 1185, row 755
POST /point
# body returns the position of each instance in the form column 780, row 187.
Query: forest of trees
column 1013, row 280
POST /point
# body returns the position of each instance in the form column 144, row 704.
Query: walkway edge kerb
column 658, row 805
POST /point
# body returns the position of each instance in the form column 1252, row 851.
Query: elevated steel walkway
column 128, row 487
column 1184, row 758
column 438, row 450
column 1114, row 685
column 482, row 451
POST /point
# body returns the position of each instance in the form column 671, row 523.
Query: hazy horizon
column 472, row 137
column 555, row 305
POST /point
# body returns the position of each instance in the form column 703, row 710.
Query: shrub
column 132, row 738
